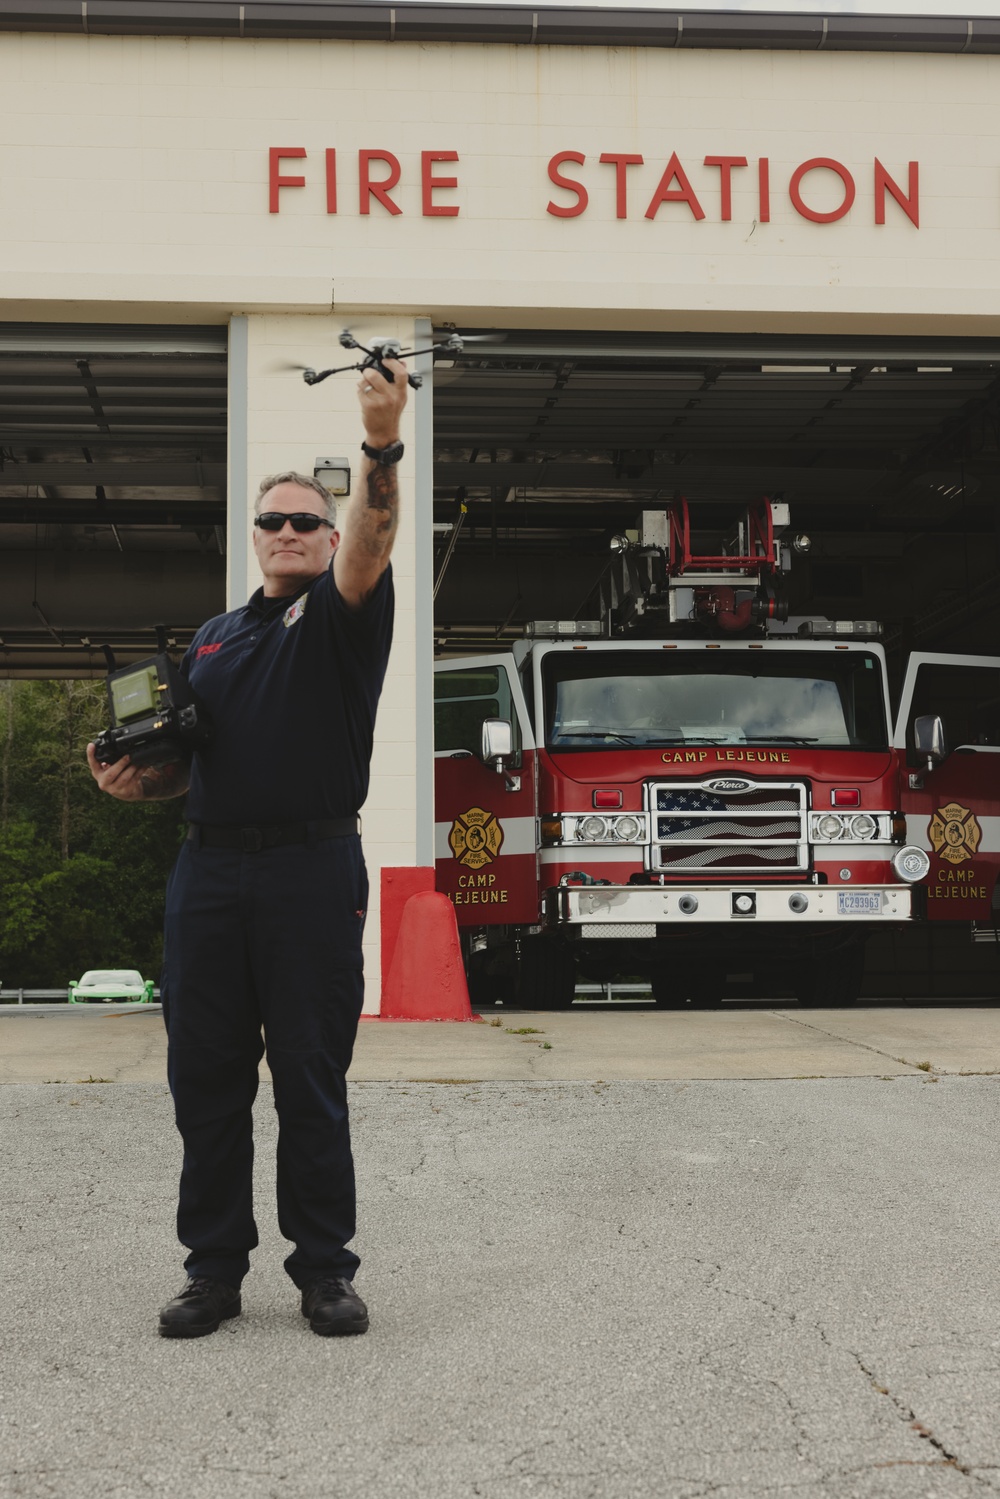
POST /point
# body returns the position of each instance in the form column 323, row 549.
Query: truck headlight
column 592, row 828
column 911, row 863
column 829, row 826
column 863, row 827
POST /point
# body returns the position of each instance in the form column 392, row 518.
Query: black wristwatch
column 386, row 456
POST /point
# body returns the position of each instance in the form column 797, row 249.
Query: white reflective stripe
column 917, row 825
column 595, row 853
column 518, row 836
column 830, row 852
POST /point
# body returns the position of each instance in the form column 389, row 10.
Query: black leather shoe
column 333, row 1306
column 199, row 1308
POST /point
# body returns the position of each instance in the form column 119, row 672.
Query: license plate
column 859, row 902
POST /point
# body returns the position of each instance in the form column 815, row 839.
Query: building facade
column 399, row 171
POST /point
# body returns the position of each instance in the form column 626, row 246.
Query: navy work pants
column 268, row 940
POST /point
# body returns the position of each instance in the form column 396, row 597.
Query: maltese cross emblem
column 955, row 833
column 476, row 838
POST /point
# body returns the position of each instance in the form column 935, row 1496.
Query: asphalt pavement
column 718, row 1278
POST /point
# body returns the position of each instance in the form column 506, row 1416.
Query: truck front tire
column 832, row 978
column 546, row 974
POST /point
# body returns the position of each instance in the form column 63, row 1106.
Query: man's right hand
column 139, row 783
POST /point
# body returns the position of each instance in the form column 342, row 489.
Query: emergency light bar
column 550, row 629
column 857, row 629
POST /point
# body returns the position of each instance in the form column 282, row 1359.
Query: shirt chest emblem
column 294, row 611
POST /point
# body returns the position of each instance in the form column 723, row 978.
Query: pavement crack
column 908, row 1414
column 945, row 1456
column 811, row 1025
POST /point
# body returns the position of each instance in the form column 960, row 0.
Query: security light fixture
column 335, row 474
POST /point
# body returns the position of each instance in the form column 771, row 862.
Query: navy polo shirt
column 291, row 686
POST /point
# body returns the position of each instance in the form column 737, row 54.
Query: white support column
column 423, row 453
column 237, row 537
column 290, row 425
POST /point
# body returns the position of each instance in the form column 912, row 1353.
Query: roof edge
column 544, row 25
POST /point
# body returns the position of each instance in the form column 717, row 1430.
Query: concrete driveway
column 739, row 1253
column 585, row 1043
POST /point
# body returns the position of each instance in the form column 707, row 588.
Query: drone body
column 378, row 350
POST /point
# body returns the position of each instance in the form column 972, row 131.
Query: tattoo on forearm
column 382, row 496
column 166, row 781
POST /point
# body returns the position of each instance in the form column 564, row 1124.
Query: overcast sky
column 964, row 8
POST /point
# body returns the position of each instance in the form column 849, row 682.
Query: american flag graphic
column 717, row 822
column 688, row 801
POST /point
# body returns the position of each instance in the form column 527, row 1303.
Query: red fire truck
column 695, row 782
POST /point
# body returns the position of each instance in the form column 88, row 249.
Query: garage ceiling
column 113, row 451
column 112, row 488
column 888, row 452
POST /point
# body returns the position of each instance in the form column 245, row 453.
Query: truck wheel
column 698, row 988
column 833, row 978
column 546, row 974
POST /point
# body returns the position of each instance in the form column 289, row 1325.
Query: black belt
column 252, row 840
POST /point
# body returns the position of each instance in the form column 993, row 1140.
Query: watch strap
column 387, row 455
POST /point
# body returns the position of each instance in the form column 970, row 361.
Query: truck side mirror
column 498, row 742
column 929, row 740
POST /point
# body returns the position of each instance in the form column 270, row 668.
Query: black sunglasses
column 273, row 520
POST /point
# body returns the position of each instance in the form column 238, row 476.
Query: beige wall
column 290, row 425
column 135, row 172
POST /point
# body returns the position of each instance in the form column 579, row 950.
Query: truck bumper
column 639, row 910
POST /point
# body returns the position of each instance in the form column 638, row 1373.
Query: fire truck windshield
column 833, row 700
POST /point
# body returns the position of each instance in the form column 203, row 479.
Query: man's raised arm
column 363, row 554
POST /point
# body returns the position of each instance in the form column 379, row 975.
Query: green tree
column 81, row 875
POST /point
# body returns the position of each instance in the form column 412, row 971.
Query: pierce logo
column 729, row 783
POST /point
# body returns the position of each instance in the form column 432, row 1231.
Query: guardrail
column 608, row 993
column 44, row 996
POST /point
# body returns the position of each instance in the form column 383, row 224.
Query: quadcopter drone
column 381, row 349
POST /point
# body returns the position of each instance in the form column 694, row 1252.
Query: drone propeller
column 288, row 367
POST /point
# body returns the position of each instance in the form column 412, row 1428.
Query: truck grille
column 702, row 829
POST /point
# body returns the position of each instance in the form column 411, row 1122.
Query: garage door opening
column 112, row 534
column 549, row 448
column 112, row 492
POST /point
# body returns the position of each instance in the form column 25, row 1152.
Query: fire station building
column 715, row 255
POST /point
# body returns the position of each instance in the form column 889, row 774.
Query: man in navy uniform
column 266, row 905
